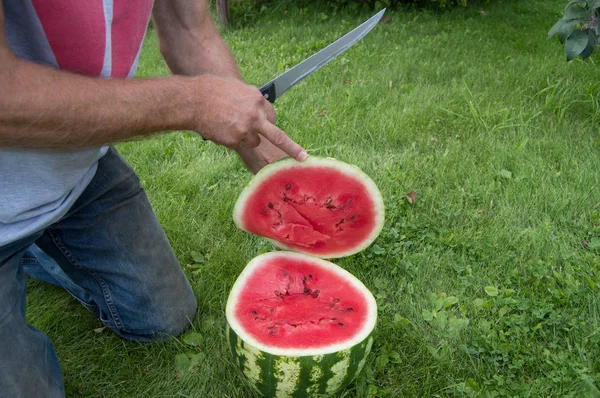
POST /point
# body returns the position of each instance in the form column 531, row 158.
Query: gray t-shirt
column 99, row 38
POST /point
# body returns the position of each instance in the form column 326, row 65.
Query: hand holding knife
column 277, row 87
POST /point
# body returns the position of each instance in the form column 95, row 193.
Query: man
column 64, row 98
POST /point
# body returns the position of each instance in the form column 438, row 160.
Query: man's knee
column 181, row 315
column 163, row 318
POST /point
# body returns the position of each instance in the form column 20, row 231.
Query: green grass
column 487, row 286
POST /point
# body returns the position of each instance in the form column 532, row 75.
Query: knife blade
column 288, row 79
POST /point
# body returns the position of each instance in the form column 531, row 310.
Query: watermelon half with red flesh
column 299, row 326
column 322, row 206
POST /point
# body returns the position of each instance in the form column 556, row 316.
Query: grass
column 488, row 285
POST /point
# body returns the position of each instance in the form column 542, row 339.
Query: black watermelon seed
column 254, row 312
column 306, row 291
column 270, row 205
column 337, row 300
column 277, row 293
column 350, row 309
column 316, row 293
column 340, row 324
column 310, row 276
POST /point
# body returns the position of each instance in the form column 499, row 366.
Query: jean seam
column 105, row 290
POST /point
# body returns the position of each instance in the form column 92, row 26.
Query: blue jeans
column 111, row 254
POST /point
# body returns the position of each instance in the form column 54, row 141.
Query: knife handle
column 268, row 91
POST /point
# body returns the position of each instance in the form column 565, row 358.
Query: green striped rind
column 299, row 376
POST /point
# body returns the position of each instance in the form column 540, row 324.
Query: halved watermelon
column 322, row 206
column 298, row 325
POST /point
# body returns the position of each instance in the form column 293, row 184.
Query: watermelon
column 322, row 207
column 298, row 325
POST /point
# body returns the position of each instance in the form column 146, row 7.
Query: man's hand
column 192, row 46
column 257, row 158
column 233, row 114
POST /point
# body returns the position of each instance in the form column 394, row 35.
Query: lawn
column 488, row 285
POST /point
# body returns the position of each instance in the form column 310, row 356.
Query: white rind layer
column 345, row 168
column 257, row 262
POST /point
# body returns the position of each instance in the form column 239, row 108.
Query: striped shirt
column 100, row 38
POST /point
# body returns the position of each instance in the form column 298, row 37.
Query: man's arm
column 189, row 41
column 46, row 108
column 191, row 45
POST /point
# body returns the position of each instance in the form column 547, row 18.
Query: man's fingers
column 251, row 140
column 282, row 141
column 270, row 112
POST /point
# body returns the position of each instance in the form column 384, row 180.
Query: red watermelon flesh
column 290, row 301
column 315, row 208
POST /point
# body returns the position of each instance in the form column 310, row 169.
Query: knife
column 288, row 79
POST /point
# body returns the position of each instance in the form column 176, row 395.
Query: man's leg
column 28, row 363
column 114, row 257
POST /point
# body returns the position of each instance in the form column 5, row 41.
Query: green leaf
column 433, row 351
column 505, row 174
column 565, row 30
column 371, row 391
column 182, row 363
column 578, row 13
column 395, row 357
column 438, row 304
column 378, row 250
column 491, row 291
column 478, row 302
column 196, row 359
column 197, row 257
column 592, row 42
column 594, row 4
column 208, row 324
column 473, row 384
column 594, row 243
column 554, row 29
column 573, row 2
column 427, row 315
column 458, row 324
column 441, row 320
column 193, row 338
column 576, row 43
column 450, row 301
column 185, row 362
column 503, row 311
column 381, row 362
column 400, row 320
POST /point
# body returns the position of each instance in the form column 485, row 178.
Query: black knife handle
column 268, row 91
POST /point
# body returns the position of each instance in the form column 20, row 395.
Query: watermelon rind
column 299, row 372
column 348, row 169
column 298, row 376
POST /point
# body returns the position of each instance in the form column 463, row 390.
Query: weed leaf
column 491, row 291
column 193, row 338
column 505, row 174
column 197, row 257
